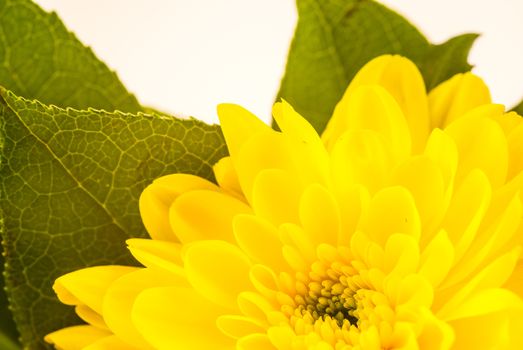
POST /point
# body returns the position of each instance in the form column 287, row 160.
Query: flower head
column 399, row 228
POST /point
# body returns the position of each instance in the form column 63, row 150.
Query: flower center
column 330, row 298
column 333, row 291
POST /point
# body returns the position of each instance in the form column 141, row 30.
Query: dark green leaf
column 6, row 343
column 8, row 332
column 334, row 39
column 519, row 108
column 41, row 60
column 70, row 184
column 443, row 61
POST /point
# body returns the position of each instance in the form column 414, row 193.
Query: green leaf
column 335, row 38
column 519, row 108
column 70, row 184
column 8, row 332
column 7, row 343
column 41, row 60
column 445, row 60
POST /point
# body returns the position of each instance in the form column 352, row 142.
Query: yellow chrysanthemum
column 400, row 228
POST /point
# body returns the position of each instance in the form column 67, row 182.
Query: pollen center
column 333, row 298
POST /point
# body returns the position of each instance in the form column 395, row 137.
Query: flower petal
column 482, row 147
column 370, row 107
column 157, row 254
column 87, row 286
column 275, row 197
column 111, row 343
column 218, row 270
column 259, row 239
column 218, row 209
column 437, row 259
column 360, row 157
column 76, row 337
column 424, row 180
column 391, row 210
column 255, row 342
column 175, row 317
column 402, row 79
column 238, row 125
column 455, row 97
column 156, row 199
column 308, row 152
column 466, row 210
column 90, row 316
column 227, row 178
column 120, row 297
column 320, row 215
column 486, row 302
column 238, row 326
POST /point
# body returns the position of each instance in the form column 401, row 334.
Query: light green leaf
column 70, row 184
column 40, row 59
column 335, row 38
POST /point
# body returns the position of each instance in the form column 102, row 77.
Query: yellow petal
column 255, row 306
column 352, row 203
column 414, row 290
column 320, row 215
column 156, row 199
column 402, row 79
column 227, row 178
column 111, row 343
column 308, row 152
column 218, row 270
column 238, row 125
column 264, row 150
column 453, row 98
column 88, row 286
column 120, row 297
column 255, row 342
column 259, row 239
column 175, row 317
column 422, row 177
column 483, row 146
column 238, row 326
column 281, row 337
column 437, row 259
column 486, row 302
column 392, row 210
column 76, row 337
column 276, row 195
column 515, row 281
column 360, row 157
column 370, row 107
column 295, row 236
column 442, row 150
column 157, row 254
column 492, row 276
column 490, row 331
column 264, row 280
column 90, row 316
column 488, row 243
column 515, row 150
column 401, row 255
column 188, row 210
column 466, row 210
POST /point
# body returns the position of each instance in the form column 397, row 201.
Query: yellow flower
column 400, row 228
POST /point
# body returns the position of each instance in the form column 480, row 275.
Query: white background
column 186, row 56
